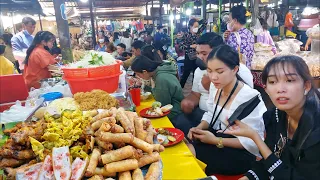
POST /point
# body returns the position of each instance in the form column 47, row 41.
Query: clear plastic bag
column 257, row 28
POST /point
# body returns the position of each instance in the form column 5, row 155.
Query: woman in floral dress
column 238, row 37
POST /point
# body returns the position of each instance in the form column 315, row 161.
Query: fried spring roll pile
column 123, row 145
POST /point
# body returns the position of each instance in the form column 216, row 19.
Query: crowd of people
column 280, row 142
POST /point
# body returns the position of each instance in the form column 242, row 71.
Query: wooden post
column 94, row 40
column 40, row 22
column 63, row 31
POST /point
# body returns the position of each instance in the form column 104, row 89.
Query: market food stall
column 78, row 131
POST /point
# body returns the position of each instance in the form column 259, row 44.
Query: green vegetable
column 156, row 104
column 96, row 59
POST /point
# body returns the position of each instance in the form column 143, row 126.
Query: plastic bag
column 257, row 28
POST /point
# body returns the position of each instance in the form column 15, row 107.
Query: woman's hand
column 193, row 46
column 205, row 136
column 226, row 34
column 244, row 178
column 191, row 131
column 241, row 129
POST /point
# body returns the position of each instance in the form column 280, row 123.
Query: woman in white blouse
column 225, row 154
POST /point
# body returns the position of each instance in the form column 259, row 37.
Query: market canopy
column 20, row 6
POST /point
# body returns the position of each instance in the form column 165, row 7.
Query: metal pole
column 63, row 31
column 219, row 20
column 151, row 11
column 40, row 22
column 160, row 12
column 94, row 41
column 1, row 25
column 172, row 28
column 204, row 9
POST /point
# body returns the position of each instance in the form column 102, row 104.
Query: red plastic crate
column 13, row 88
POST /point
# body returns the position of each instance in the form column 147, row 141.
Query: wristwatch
column 220, row 144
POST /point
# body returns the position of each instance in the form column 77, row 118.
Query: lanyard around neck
column 212, row 122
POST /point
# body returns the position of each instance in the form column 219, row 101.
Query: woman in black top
column 292, row 145
column 188, row 44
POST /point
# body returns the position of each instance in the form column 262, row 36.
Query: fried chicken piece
column 22, row 154
column 10, row 162
column 34, row 130
column 11, row 172
column 12, row 146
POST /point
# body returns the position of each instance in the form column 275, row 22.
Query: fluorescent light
column 188, row 12
column 297, row 8
column 171, row 17
column 184, row 23
column 178, row 16
column 84, row 1
column 108, row 10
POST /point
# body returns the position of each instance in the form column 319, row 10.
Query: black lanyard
column 215, row 109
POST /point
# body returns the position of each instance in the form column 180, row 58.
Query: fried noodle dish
column 96, row 99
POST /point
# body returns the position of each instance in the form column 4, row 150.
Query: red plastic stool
column 224, row 177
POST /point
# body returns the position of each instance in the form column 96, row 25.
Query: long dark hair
column 45, row 36
column 239, row 13
column 7, row 38
column 191, row 23
column 312, row 103
column 149, row 60
column 228, row 56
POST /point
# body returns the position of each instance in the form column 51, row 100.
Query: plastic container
column 49, row 97
column 93, row 72
column 122, row 82
column 135, row 95
column 109, row 84
column 13, row 88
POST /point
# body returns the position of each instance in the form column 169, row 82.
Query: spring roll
column 93, row 162
column 148, row 159
column 103, row 172
column 113, row 111
column 103, row 114
column 96, row 177
column 116, row 129
column 153, row 171
column 125, row 175
column 118, row 155
column 140, row 144
column 158, row 147
column 105, row 127
column 116, row 138
column 125, row 122
column 150, row 134
column 97, row 124
column 119, row 145
column 140, row 132
column 105, row 145
column 131, row 116
column 121, row 166
column 137, row 174
column 138, row 153
column 91, row 113
column 146, row 123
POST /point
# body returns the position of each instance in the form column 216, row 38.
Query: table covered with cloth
column 178, row 161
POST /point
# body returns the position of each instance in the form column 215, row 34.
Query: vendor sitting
column 6, row 66
column 166, row 87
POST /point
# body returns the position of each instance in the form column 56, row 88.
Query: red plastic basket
column 93, row 72
column 109, row 84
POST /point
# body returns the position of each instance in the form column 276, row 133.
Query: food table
column 178, row 161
